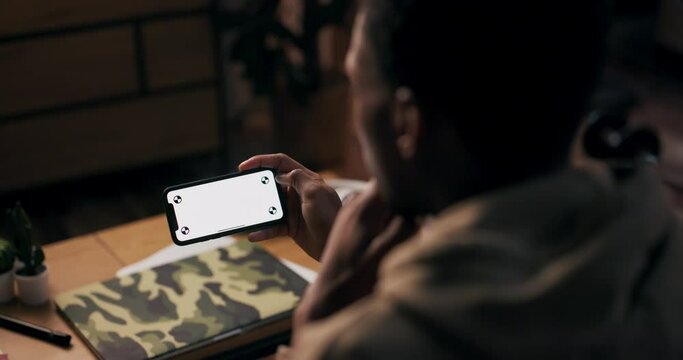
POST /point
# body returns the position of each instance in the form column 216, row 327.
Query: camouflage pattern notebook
column 162, row 310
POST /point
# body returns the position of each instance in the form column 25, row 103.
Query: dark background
column 102, row 108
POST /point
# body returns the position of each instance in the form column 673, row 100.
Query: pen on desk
column 33, row 330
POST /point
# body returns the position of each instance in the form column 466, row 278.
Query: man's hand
column 364, row 232
column 312, row 205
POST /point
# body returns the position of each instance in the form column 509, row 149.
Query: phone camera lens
column 185, row 230
column 265, row 180
column 177, row 199
column 272, row 210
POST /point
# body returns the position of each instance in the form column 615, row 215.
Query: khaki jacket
column 571, row 265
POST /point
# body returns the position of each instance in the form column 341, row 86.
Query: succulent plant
column 7, row 255
column 19, row 231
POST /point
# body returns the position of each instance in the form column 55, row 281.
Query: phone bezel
column 172, row 221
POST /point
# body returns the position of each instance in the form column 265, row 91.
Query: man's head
column 456, row 97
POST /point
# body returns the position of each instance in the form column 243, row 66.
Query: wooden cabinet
column 95, row 86
column 102, row 138
column 178, row 52
column 28, row 16
column 52, row 71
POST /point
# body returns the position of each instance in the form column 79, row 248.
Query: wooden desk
column 95, row 257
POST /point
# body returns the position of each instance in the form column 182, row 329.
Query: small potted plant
column 7, row 256
column 32, row 276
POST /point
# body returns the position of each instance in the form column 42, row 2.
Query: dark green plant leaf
column 23, row 217
column 38, row 257
column 19, row 230
column 7, row 255
column 21, row 224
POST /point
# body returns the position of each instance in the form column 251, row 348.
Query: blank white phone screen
column 223, row 205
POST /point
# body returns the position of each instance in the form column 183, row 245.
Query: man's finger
column 283, row 353
column 281, row 162
column 265, row 234
column 300, row 180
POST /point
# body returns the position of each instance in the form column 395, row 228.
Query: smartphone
column 228, row 204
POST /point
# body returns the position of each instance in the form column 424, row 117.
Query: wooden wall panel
column 21, row 16
column 107, row 138
column 56, row 70
column 178, row 51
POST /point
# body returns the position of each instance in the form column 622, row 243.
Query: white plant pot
column 33, row 290
column 6, row 286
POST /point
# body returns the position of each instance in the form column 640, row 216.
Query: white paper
column 346, row 187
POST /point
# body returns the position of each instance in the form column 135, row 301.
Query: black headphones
column 609, row 138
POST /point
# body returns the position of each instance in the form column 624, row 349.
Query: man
column 477, row 239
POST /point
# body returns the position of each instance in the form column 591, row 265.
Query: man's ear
column 407, row 122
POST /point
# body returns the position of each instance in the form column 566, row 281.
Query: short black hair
column 515, row 77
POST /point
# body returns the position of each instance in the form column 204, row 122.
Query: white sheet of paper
column 346, row 187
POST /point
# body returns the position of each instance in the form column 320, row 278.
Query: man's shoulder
column 523, row 275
